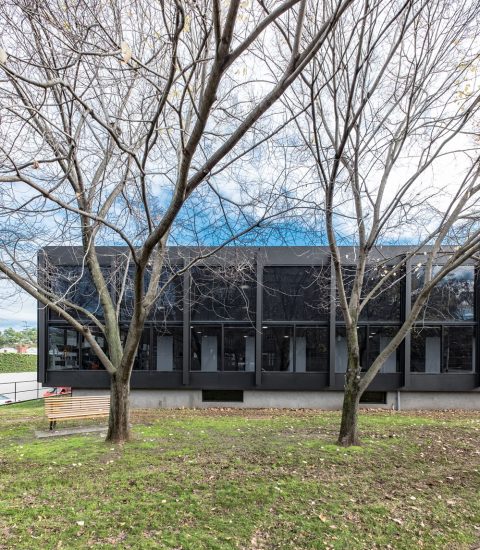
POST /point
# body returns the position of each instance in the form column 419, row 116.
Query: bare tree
column 114, row 117
column 386, row 136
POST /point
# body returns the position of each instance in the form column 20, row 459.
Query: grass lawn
column 196, row 479
column 17, row 362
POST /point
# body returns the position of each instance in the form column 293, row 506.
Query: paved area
column 69, row 431
column 21, row 386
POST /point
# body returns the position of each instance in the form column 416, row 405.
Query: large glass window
column 385, row 304
column 68, row 350
column 223, row 293
column 63, row 349
column 443, row 349
column 206, row 348
column 341, row 349
column 372, row 341
column 296, row 293
column 168, row 349
column 426, row 350
column 458, row 349
column 277, row 349
column 451, row 298
column 239, row 349
column 90, row 361
column 295, row 349
column 378, row 339
column 75, row 284
column 142, row 359
column 169, row 303
column 311, row 349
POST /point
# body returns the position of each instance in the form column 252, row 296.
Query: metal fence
column 16, row 390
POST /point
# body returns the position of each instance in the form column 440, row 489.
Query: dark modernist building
column 260, row 327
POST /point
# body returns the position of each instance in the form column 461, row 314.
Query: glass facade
column 222, row 348
column 223, row 294
column 142, row 359
column 239, row 349
column 169, row 304
column 289, row 333
column 341, row 351
column 206, row 348
column 372, row 340
column 452, row 298
column 296, row 293
column 385, row 305
column 67, row 350
column 63, row 349
column 277, row 349
column 439, row 349
column 168, row 348
column 295, row 349
column 76, row 285
column 89, row 360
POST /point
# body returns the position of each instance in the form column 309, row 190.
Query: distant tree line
column 12, row 337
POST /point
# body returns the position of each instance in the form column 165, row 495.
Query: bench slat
column 69, row 407
column 75, row 415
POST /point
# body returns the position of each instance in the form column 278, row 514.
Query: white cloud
column 16, row 308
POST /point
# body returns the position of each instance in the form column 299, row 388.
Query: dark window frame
column 199, row 301
column 294, row 327
column 368, row 327
column 423, row 315
column 98, row 311
column 221, row 327
column 442, row 326
column 173, row 315
column 399, row 282
column 80, row 343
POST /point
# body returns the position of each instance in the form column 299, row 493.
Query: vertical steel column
column 476, row 312
column 222, row 348
column 408, row 337
column 332, row 325
column 259, row 321
column 42, row 321
column 151, row 358
column 186, row 326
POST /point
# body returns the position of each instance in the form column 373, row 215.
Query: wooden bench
column 68, row 407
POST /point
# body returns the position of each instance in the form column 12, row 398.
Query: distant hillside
column 17, row 362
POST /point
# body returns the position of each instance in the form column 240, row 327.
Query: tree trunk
column 349, row 427
column 119, row 418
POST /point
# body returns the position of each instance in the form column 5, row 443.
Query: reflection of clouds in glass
column 223, row 293
column 451, row 298
column 169, row 302
column 75, row 284
column 385, row 304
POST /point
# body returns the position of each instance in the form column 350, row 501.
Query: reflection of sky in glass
column 168, row 305
column 75, row 284
column 384, row 305
column 452, row 297
column 226, row 293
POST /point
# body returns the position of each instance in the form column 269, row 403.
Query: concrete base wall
column 440, row 400
column 173, row 399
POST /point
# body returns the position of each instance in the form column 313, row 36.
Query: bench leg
column 53, row 423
